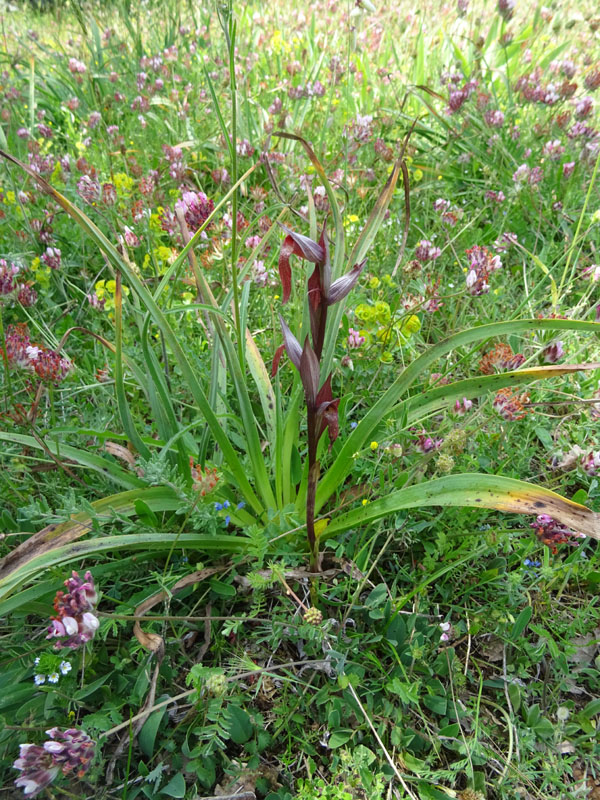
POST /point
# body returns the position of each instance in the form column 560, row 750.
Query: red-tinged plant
column 321, row 407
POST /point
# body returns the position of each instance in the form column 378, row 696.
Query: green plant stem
column 579, row 224
column 234, row 197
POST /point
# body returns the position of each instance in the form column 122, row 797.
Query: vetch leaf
column 175, row 787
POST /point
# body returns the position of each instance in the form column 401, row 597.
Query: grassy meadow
column 300, row 400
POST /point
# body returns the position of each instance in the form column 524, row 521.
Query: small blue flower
column 227, row 520
column 529, row 563
column 225, row 504
column 353, row 425
column 218, row 506
column 241, row 504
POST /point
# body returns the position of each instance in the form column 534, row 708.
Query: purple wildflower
column 196, row 208
column 69, row 752
column 481, row 267
column 551, row 532
column 74, row 608
column 553, row 353
column 591, row 462
column 354, row 339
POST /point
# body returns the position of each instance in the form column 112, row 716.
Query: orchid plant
column 258, row 484
column 321, row 407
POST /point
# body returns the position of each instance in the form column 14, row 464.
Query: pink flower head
column 506, row 8
column 427, row 444
column 495, row 119
column 252, row 242
column 551, row 532
column 260, row 276
column 77, row 67
column 196, row 208
column 74, row 608
column 591, row 462
column 69, row 752
column 521, row 174
column 244, row 148
column 553, row 149
column 94, row 119
column 553, row 353
column 51, row 257
column 584, row 106
column 462, row 406
column 354, row 339
column 481, row 267
column 88, row 189
column 7, row 275
column 129, row 237
column 425, row 251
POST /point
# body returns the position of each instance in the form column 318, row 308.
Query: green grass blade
column 157, row 498
column 103, row 466
column 475, row 490
column 122, row 404
column 231, row 457
column 154, row 540
column 338, row 471
column 444, row 396
column 259, row 373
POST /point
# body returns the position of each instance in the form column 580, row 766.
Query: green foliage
column 144, row 436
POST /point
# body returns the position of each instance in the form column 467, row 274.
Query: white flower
column 70, row 624
column 39, row 679
column 53, row 677
column 65, row 667
column 32, row 352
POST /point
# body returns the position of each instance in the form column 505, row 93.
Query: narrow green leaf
column 150, row 728
column 445, row 396
column 259, row 373
column 97, row 463
column 339, row 470
column 235, row 465
column 521, row 623
column 475, row 490
column 122, row 404
column 80, row 551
